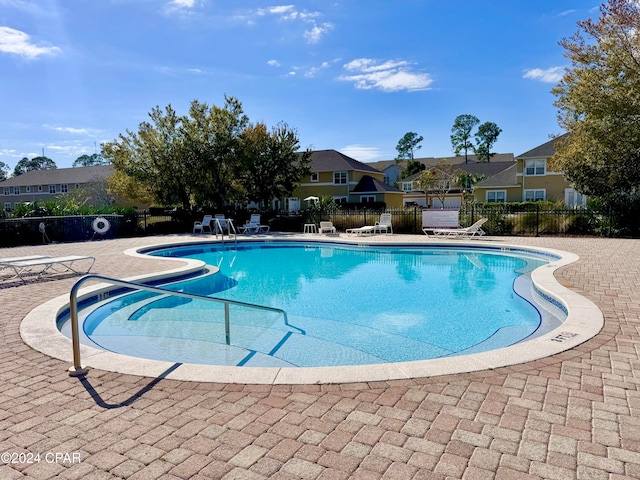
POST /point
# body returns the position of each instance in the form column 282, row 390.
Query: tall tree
column 486, row 137
column 408, row 145
column 461, row 134
column 598, row 100
column 413, row 166
column 271, row 167
column 36, row 163
column 90, row 160
column 4, row 171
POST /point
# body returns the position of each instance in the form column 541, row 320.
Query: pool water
column 345, row 305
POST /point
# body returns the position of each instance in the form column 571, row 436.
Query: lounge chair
column 44, row 265
column 205, row 223
column 327, row 227
column 383, row 224
column 254, row 225
column 474, row 230
column 366, row 230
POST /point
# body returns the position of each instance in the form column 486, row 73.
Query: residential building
column 455, row 194
column 530, row 180
column 343, row 179
column 44, row 185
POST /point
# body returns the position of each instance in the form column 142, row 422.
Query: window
column 496, row 196
column 77, row 186
column 28, row 187
column 534, row 167
column 340, row 178
column 314, row 177
column 534, row 195
column 39, row 188
column 367, row 198
column 7, row 207
column 7, row 190
column 52, row 189
column 407, row 186
column 64, row 188
column 16, row 190
column 340, row 199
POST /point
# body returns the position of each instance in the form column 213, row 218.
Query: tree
column 90, row 160
column 36, row 163
column 439, row 180
column 413, row 166
column 598, row 102
column 271, row 168
column 4, row 171
column 407, row 146
column 486, row 137
column 461, row 134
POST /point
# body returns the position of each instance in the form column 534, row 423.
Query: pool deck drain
column 571, row 415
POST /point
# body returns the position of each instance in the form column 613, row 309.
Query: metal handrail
column 77, row 369
column 230, row 227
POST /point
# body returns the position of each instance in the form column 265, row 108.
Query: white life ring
column 101, row 225
column 41, row 227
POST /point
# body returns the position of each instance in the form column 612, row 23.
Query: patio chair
column 44, row 265
column 384, row 224
column 474, row 230
column 205, row 223
column 366, row 230
column 327, row 227
column 254, row 225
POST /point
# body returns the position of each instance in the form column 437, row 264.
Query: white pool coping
column 584, row 321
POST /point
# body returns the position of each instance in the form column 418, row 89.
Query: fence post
column 364, row 212
column 415, row 219
column 537, row 220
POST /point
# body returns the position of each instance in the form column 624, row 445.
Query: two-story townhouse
column 345, row 180
column 530, row 180
column 44, row 185
column 414, row 195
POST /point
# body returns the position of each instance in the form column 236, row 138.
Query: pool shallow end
column 584, row 320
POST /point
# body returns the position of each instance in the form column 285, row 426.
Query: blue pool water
column 345, row 305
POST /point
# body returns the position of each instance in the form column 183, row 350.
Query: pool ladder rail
column 228, row 224
column 77, row 370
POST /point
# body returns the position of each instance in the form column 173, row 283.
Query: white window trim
column 7, row 206
column 315, row 177
column 369, row 198
column 486, row 197
column 535, row 163
column 339, row 175
column 339, row 199
column 534, row 190
column 52, row 189
column 64, row 188
column 16, row 190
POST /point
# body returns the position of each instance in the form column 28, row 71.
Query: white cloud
column 77, row 131
column 361, row 153
column 389, row 76
column 183, row 3
column 273, row 63
column 317, row 32
column 566, row 12
column 18, row 43
column 549, row 75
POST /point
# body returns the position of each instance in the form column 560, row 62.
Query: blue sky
column 349, row 75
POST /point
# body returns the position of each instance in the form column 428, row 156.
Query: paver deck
column 575, row 415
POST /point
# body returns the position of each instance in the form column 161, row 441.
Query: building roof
column 60, row 175
column 505, row 178
column 332, row 161
column 368, row 184
column 433, row 161
column 545, row 150
column 488, row 169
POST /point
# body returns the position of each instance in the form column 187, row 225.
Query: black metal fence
column 502, row 220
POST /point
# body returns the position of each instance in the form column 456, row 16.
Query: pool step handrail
column 77, row 370
column 230, row 228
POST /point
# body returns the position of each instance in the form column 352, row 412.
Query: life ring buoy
column 42, row 227
column 101, row 225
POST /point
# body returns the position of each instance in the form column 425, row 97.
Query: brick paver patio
column 572, row 416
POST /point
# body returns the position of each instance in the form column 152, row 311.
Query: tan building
column 530, row 180
column 45, row 185
column 345, row 180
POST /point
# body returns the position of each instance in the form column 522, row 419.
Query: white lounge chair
column 471, row 231
column 44, row 265
column 384, row 224
column 327, row 227
column 254, row 225
column 204, row 224
column 366, row 230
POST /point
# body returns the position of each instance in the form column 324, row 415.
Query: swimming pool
column 345, row 304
